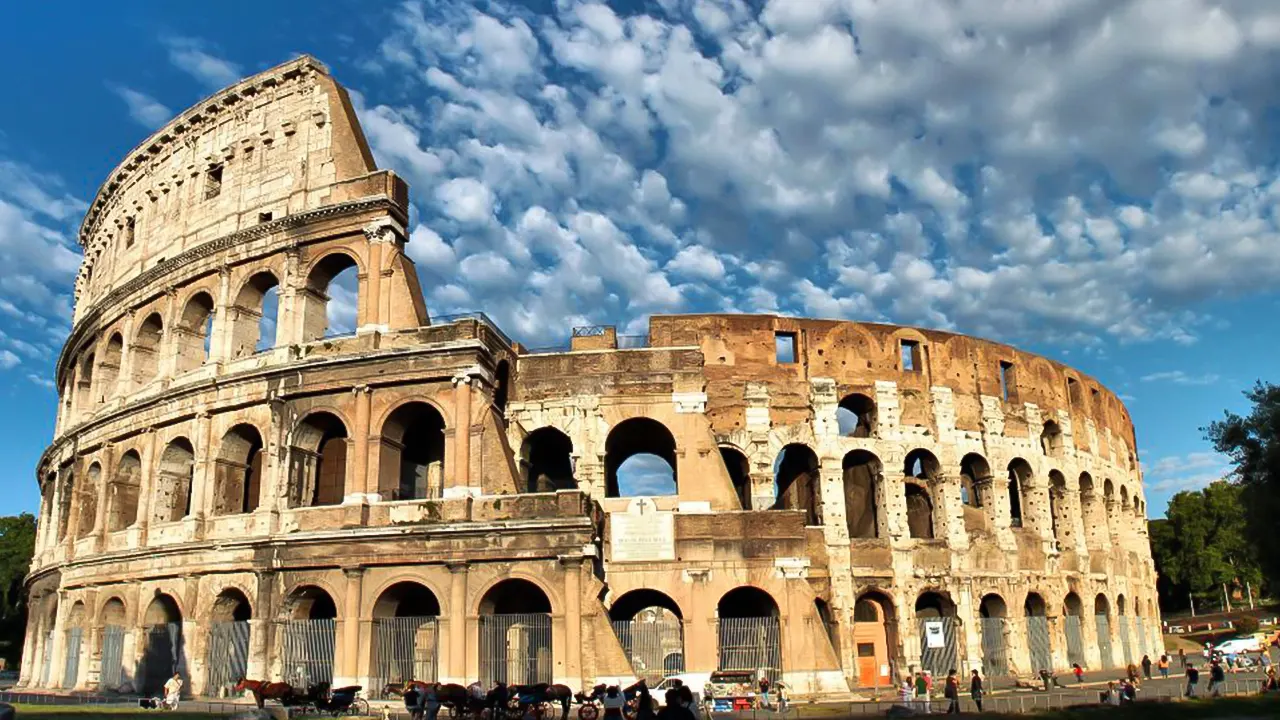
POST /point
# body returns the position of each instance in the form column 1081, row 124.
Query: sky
column 1093, row 180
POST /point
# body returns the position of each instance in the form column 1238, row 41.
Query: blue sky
column 1095, row 180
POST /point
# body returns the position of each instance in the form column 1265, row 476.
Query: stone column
column 348, row 650
column 288, row 300
column 262, row 628
column 202, row 475
column 950, row 509
column 701, row 644
column 461, row 482
column 28, row 647
column 103, row 494
column 454, row 667
column 382, row 235
column 364, row 489
column 58, row 664
column 571, row 568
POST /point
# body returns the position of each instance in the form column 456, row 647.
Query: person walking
column 1146, row 667
column 952, row 693
column 1216, row 678
column 1078, row 672
column 922, row 693
column 975, row 689
column 172, row 692
column 780, row 691
column 412, row 698
column 1163, row 664
column 906, row 691
column 431, row 701
column 1193, row 678
column 614, row 701
column 1182, row 658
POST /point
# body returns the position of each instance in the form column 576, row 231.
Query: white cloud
column 42, row 381
column 143, row 108
column 466, row 200
column 1178, row 377
column 192, row 57
column 698, row 263
column 8, row 359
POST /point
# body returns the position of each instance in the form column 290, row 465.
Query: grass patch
column 81, row 712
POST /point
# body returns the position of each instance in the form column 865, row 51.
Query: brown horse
column 400, row 688
column 544, row 692
column 263, row 690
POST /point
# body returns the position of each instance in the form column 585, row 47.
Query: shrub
column 1246, row 625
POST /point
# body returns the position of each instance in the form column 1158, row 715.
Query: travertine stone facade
column 841, row 490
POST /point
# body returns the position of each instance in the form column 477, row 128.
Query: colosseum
column 239, row 487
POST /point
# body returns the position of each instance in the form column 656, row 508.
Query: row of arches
column 250, row 322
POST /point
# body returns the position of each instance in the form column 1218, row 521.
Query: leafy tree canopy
column 1253, row 444
column 17, row 543
column 1205, row 543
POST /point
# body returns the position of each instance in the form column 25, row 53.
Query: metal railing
column 750, row 644
column 307, row 653
column 515, row 649
column 404, row 649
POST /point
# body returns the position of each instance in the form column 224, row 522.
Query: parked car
column 1235, row 646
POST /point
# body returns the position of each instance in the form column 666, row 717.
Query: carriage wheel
column 588, row 711
column 359, row 706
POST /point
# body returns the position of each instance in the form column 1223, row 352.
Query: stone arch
column 1122, row 605
column 856, row 416
column 318, row 465
column 1019, row 476
column 109, row 362
column 641, row 444
column 174, row 477
column 992, row 619
column 231, row 605
column 85, row 395
column 739, row 469
column 255, row 316
column 319, row 292
column 194, row 331
column 1124, row 499
column 1101, row 606
column 1059, row 514
column 144, row 351
column 920, row 469
column 489, row 597
column 122, row 492
column 406, row 599
column 113, row 611
column 163, row 645
column 1039, row 643
column 1072, row 605
column 795, row 481
column 91, row 488
column 412, row 447
column 546, row 461
column 1051, row 439
column 935, row 614
column 975, row 480
column 74, row 631
column 515, row 629
column 875, row 638
column 634, row 602
column 405, row 633
column 749, row 637
column 863, row 483
column 309, row 600
column 238, row 470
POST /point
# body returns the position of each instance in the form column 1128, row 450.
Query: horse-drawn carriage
column 317, row 698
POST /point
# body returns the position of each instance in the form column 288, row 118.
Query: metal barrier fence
column 112, row 674
column 306, row 656
column 515, row 649
column 995, row 659
column 1103, row 624
column 71, row 665
column 750, row 644
column 228, row 656
column 1075, row 640
column 938, row 645
column 1038, row 643
column 1126, row 644
column 404, row 648
column 162, row 656
column 655, row 649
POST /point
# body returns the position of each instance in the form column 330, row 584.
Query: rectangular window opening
column 264, row 217
column 784, row 345
column 128, row 231
column 213, row 182
column 910, row 356
column 1073, row 390
column 1007, row 382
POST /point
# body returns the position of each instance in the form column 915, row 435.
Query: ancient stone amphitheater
column 237, row 489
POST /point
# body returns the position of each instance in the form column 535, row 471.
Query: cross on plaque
column 642, row 504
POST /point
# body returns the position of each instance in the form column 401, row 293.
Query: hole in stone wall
column 640, row 459
column 784, row 347
column 856, row 416
column 546, row 461
column 862, row 477
column 795, row 481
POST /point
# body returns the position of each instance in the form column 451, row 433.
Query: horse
column 546, row 692
column 263, row 690
column 400, row 688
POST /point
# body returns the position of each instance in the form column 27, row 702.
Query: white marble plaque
column 642, row 534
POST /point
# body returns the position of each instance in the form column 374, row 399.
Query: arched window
column 640, row 459
column 172, row 499
column 89, row 492
column 412, row 453
column 935, row 613
column 1073, row 627
column 1058, row 507
column 1019, row 474
column 194, row 332
column 975, row 478
column 238, row 471
column 546, row 461
column 739, row 470
column 319, row 461
column 253, row 322
column 515, row 609
column 84, row 384
column 856, row 416
column 991, row 614
column 144, row 353
column 405, row 634
column 874, row 638
column 307, row 645
column 228, row 647
column 1038, row 638
column 1051, row 439
column 109, row 368
column 749, row 637
column 795, row 481
column 164, row 649
column 862, row 480
column 921, row 469
column 649, row 626
column 122, row 495
column 331, row 300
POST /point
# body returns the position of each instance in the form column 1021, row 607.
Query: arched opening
column 739, row 469
column 501, row 388
column 318, row 466
column 862, row 484
column 332, row 298
column 1073, row 628
column 1051, row 439
column 1039, row 646
column 228, row 658
column 307, row 638
column 112, row 620
column 649, row 626
column 515, row 634
column 1059, row 514
column 920, row 469
column 1102, row 621
column 412, row 453
column 546, row 461
column 84, row 383
column 75, row 627
column 856, row 416
column 109, row 368
column 237, row 471
column 194, row 332
column 66, row 477
column 46, row 640
column 88, row 502
column 1019, row 474
column 172, row 499
column 253, row 322
column 936, row 615
column 749, row 639
column 163, row 647
column 144, row 353
column 122, row 494
column 405, row 635
column 992, row 614
column 1122, row 618
column 875, row 639
column 795, row 481
column 1094, row 516
column 640, row 459
column 975, row 480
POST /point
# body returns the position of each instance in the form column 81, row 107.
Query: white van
column 694, row 681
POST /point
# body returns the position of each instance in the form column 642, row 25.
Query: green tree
column 17, row 543
column 1204, row 543
column 1253, row 444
